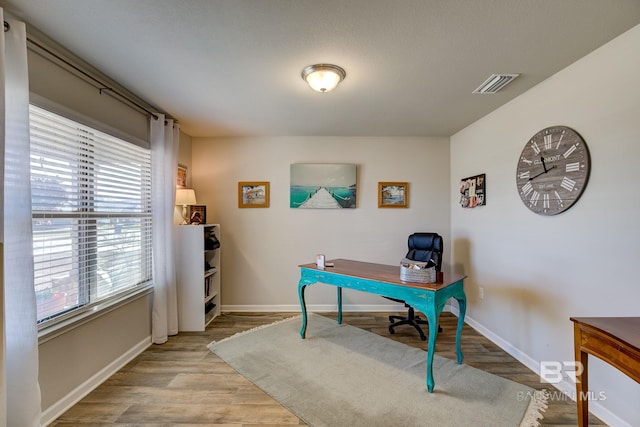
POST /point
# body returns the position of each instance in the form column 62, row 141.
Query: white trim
column 566, row 387
column 607, row 416
column 61, row 406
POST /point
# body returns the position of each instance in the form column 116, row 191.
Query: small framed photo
column 253, row 194
column 181, row 178
column 393, row 194
column 197, row 214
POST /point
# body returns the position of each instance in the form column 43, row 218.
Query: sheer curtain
column 19, row 371
column 165, row 136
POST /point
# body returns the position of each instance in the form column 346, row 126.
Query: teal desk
column 428, row 298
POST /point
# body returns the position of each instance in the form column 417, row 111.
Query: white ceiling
column 232, row 67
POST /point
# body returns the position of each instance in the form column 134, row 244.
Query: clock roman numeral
column 526, row 189
column 559, row 199
column 535, row 147
column 560, row 140
column 545, row 201
column 567, row 184
column 548, row 142
column 529, row 162
column 524, row 175
column 573, row 167
column 569, row 151
column 534, row 198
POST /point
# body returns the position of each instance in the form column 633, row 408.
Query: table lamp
column 184, row 197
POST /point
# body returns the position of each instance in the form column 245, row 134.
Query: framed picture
column 323, row 186
column 197, row 214
column 181, row 179
column 472, row 191
column 393, row 194
column 253, row 194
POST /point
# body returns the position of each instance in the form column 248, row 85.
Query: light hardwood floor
column 182, row 383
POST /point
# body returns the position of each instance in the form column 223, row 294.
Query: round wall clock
column 553, row 170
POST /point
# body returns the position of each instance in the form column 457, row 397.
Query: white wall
column 538, row 271
column 261, row 248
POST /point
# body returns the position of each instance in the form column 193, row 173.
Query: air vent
column 495, row 82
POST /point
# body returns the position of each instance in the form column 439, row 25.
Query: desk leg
column 582, row 379
column 432, row 318
column 339, row 305
column 303, row 307
column 462, row 308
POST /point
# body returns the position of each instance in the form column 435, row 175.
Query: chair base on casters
column 412, row 320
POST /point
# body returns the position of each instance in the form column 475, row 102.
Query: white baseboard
column 60, row 407
column 566, row 389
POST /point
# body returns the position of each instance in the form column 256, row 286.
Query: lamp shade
column 185, row 196
column 323, row 77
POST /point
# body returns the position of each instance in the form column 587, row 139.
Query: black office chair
column 422, row 247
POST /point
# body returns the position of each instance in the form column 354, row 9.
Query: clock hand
column 543, row 164
column 543, row 172
column 535, row 176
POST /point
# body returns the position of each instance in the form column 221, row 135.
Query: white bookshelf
column 198, row 277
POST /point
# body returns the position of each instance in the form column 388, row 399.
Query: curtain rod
column 103, row 86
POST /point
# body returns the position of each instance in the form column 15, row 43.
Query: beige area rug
column 341, row 375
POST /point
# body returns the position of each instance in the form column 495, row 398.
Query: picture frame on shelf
column 197, row 214
column 181, row 177
column 253, row 194
column 393, row 194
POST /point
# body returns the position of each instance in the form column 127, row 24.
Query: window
column 91, row 212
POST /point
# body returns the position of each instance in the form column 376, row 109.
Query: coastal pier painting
column 322, row 186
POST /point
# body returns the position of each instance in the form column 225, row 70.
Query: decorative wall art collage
column 472, row 191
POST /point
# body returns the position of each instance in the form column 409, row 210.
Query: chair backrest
column 426, row 246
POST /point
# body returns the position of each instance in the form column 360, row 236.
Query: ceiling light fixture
column 323, row 77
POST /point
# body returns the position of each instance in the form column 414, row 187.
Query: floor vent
column 495, row 82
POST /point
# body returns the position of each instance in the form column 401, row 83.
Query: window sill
column 59, row 327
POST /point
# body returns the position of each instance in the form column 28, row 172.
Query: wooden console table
column 616, row 340
column 429, row 298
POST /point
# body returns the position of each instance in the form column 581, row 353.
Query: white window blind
column 91, row 210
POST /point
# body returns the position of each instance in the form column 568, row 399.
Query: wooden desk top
column 625, row 329
column 381, row 273
column 615, row 340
